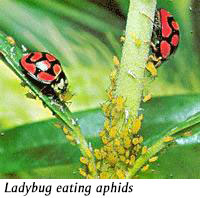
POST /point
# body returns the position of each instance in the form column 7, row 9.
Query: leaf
column 124, row 5
column 70, row 28
column 40, row 144
column 162, row 113
column 180, row 161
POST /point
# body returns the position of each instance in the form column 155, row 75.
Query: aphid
column 147, row 98
column 82, row 172
column 135, row 141
column 121, row 150
column 187, row 134
column 141, row 117
column 153, row 159
column 168, row 139
column 83, row 160
column 102, row 133
column 116, row 60
column 127, row 142
column 70, row 137
column 104, row 175
column 136, row 40
column 58, row 125
column 122, row 38
column 97, row 154
column 136, row 126
column 120, row 174
column 88, row 153
column 117, row 142
column 151, row 68
column 45, row 72
column 30, row 95
column 120, row 101
column 145, row 168
column 113, row 132
column 144, row 150
column 10, row 40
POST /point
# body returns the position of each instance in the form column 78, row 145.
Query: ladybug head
column 60, row 84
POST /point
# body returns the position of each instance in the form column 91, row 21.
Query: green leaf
column 162, row 113
column 124, row 5
column 70, row 25
column 39, row 145
column 179, row 161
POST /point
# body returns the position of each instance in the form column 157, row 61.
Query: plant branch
column 131, row 77
column 130, row 83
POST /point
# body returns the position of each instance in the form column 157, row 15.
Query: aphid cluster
column 121, row 142
column 112, row 109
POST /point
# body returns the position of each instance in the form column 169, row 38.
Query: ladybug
column 44, row 71
column 165, row 37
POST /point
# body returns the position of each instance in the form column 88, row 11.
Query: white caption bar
column 99, row 188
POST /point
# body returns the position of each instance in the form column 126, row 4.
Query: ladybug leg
column 48, row 91
column 157, row 61
column 158, row 64
column 154, row 58
column 153, row 46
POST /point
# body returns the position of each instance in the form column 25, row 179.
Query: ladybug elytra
column 165, row 37
column 45, row 72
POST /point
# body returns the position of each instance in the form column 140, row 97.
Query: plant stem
column 135, row 53
column 131, row 77
column 12, row 54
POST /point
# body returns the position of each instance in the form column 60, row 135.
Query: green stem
column 130, row 83
column 131, row 78
column 12, row 55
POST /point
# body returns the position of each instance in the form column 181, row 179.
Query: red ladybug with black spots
column 44, row 71
column 165, row 36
